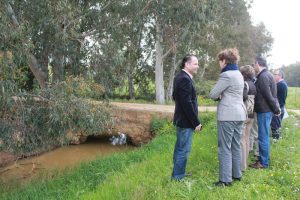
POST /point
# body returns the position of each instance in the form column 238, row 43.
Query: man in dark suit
column 186, row 114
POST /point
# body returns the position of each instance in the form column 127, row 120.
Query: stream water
column 61, row 158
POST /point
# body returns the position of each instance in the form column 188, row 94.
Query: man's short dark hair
column 186, row 59
column 261, row 61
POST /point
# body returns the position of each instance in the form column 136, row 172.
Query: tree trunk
column 38, row 74
column 130, row 85
column 159, row 70
column 58, row 68
column 32, row 61
column 205, row 65
column 43, row 60
column 131, row 63
column 171, row 78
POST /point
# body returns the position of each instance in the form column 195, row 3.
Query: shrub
column 35, row 122
column 204, row 87
column 80, row 87
column 157, row 124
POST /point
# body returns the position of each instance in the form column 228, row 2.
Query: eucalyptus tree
column 237, row 30
column 231, row 27
column 53, row 35
column 173, row 25
column 117, row 42
column 43, row 33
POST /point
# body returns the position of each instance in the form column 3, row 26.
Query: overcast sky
column 281, row 18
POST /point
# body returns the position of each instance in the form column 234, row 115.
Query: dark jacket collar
column 184, row 72
column 262, row 71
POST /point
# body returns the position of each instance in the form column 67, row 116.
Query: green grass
column 145, row 173
column 203, row 101
column 293, row 98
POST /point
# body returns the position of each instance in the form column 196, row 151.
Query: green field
column 145, row 172
column 293, row 99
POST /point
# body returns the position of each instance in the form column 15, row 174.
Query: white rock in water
column 118, row 140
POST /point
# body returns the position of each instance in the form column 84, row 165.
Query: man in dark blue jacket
column 282, row 89
column 266, row 105
column 185, row 115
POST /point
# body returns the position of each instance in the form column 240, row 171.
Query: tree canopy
column 292, row 74
column 131, row 45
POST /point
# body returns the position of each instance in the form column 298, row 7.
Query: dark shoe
column 257, row 165
column 256, row 161
column 237, row 179
column 222, row 184
column 275, row 134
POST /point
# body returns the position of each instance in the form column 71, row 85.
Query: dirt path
column 293, row 110
column 169, row 108
column 158, row 108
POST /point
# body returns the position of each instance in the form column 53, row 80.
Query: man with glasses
column 282, row 90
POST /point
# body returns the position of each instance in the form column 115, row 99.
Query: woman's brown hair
column 247, row 72
column 231, row 56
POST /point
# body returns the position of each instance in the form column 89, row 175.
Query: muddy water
column 69, row 156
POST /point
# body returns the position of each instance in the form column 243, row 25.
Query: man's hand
column 198, row 128
column 278, row 114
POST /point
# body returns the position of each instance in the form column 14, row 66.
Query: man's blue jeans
column 181, row 151
column 264, row 122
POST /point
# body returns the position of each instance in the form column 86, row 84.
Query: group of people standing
column 248, row 101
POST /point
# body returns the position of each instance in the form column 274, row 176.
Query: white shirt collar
column 188, row 73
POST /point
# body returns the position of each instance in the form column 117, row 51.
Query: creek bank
column 132, row 121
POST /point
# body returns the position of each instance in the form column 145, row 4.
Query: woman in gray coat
column 231, row 114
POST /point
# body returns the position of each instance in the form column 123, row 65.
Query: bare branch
column 12, row 15
column 169, row 50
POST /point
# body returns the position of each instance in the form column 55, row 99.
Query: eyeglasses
column 275, row 74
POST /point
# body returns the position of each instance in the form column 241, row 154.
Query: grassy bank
column 145, row 173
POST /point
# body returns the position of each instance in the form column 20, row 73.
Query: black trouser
column 276, row 124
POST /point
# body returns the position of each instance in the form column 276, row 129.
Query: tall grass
column 145, row 173
column 293, row 98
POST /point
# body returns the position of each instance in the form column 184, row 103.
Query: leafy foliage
column 157, row 124
column 31, row 123
column 292, row 73
column 113, row 42
column 83, row 88
column 203, row 88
